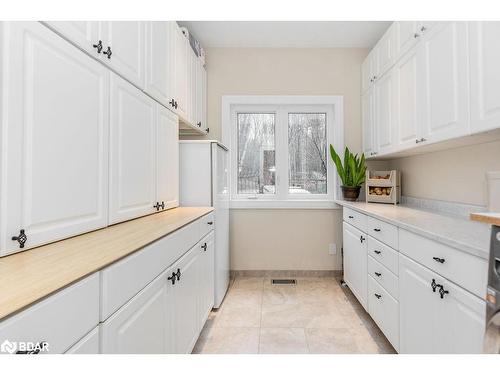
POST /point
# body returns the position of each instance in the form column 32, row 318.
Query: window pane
column 256, row 153
column 307, row 153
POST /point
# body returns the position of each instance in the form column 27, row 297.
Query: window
column 279, row 153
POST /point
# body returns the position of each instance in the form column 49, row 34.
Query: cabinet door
column 127, row 42
column 406, row 36
column 207, row 273
column 386, row 51
column 460, row 323
column 366, row 78
column 417, row 305
column 385, row 125
column 132, row 152
column 84, row 34
column 355, row 262
column 181, row 73
column 484, row 75
column 406, row 82
column 367, row 103
column 141, row 325
column 55, row 138
column 199, row 93
column 193, row 67
column 89, row 344
column 167, row 159
column 184, row 301
column 204, row 119
column 159, row 61
column 444, row 75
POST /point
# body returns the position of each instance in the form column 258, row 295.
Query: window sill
column 284, row 204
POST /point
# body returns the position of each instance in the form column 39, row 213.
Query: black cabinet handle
column 204, row 246
column 377, row 252
column 434, row 285
column 172, row 103
column 178, row 274
column 351, row 217
column 378, row 296
column 108, row 52
column 98, row 46
column 378, row 274
column 210, row 223
column 442, row 292
column 376, row 229
column 199, row 124
column 162, row 205
column 361, row 238
column 172, row 278
column 439, row 260
column 21, row 238
column 157, row 206
column 175, row 104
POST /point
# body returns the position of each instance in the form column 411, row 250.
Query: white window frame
column 332, row 105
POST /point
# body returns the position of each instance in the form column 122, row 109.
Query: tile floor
column 315, row 316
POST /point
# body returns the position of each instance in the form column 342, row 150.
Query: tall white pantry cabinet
column 82, row 146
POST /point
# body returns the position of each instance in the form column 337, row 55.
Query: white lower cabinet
column 87, row 345
column 141, row 325
column 207, row 267
column 431, row 323
column 184, row 292
column 355, row 262
column 384, row 309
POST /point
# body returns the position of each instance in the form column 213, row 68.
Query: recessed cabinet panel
column 127, row 41
column 207, row 282
column 85, row 34
column 55, row 133
column 485, row 75
column 386, row 51
column 355, row 262
column 406, row 36
column 181, row 73
column 159, row 60
column 367, row 103
column 133, row 152
column 167, row 167
column 406, row 96
column 444, row 74
column 385, row 113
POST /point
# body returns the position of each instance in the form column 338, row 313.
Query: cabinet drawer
column 383, row 254
column 464, row 269
column 124, row 279
column 355, row 218
column 87, row 345
column 207, row 223
column 382, row 231
column 59, row 320
column 384, row 310
column 384, row 277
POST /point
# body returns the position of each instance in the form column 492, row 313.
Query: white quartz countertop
column 462, row 234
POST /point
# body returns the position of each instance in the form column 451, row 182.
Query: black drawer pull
column 378, row 296
column 172, row 278
column 210, row 223
column 442, row 292
column 377, row 252
column 178, row 274
column 204, row 246
column 351, row 217
column 378, row 274
column 361, row 238
column 439, row 260
column 376, row 229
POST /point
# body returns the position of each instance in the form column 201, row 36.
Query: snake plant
column 352, row 172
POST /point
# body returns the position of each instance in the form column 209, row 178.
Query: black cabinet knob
column 439, row 260
column 108, row 52
column 376, row 229
column 204, row 246
column 172, row 103
column 361, row 238
column 199, row 124
column 378, row 274
column 377, row 252
column 442, row 292
column 378, row 296
column 178, row 274
column 21, row 238
column 172, row 278
column 351, row 217
column 162, row 205
column 210, row 223
column 157, row 206
column 98, row 46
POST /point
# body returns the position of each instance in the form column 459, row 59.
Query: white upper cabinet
column 444, row 75
column 368, row 118
column 160, row 61
column 405, row 100
column 192, row 83
column 85, row 34
column 124, row 49
column 386, row 52
column 385, row 114
column 181, row 73
column 406, row 36
column 55, row 139
column 167, row 160
column 132, row 152
column 484, row 75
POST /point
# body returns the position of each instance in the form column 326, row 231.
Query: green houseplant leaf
column 352, row 171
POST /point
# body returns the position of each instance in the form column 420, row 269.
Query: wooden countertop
column 29, row 276
column 492, row 218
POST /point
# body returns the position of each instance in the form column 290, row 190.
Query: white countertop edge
column 468, row 248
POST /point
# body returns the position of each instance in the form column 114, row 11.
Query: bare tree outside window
column 307, row 161
column 256, row 153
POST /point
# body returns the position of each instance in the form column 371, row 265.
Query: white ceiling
column 300, row 34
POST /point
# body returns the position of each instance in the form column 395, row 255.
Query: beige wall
column 455, row 175
column 285, row 239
